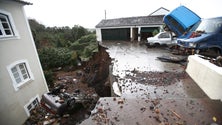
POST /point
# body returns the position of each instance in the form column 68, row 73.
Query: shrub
column 55, row 57
column 49, row 76
column 85, row 46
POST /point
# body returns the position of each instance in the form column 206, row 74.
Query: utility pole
column 105, row 14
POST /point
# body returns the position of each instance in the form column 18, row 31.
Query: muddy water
column 139, row 74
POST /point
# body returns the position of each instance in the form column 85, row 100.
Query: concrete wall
column 14, row 49
column 98, row 34
column 207, row 75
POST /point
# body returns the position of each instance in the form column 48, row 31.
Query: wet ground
column 151, row 92
column 138, row 73
column 134, row 56
column 143, row 90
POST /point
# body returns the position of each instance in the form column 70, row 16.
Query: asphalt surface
column 149, row 91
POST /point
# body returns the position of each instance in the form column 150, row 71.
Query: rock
column 151, row 107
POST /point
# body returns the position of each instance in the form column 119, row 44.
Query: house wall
column 15, row 49
column 135, row 31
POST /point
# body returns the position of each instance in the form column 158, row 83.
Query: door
column 116, row 34
column 164, row 38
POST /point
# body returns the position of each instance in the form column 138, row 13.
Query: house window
column 164, row 35
column 20, row 73
column 31, row 105
column 5, row 26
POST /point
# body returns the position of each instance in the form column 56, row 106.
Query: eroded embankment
column 91, row 79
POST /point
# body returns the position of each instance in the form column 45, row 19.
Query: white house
column 22, row 81
column 131, row 28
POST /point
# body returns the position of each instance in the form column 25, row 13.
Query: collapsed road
column 147, row 91
column 144, row 90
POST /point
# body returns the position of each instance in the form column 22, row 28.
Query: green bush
column 74, row 56
column 55, row 57
column 49, row 76
column 85, row 46
column 91, row 38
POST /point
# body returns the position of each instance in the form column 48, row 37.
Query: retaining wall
column 207, row 75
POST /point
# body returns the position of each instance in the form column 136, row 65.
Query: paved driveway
column 130, row 56
column 137, row 73
column 150, row 92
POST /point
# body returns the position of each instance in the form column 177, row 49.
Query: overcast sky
column 88, row 13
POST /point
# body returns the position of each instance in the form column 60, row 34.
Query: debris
column 114, row 99
column 157, row 111
column 58, row 102
column 151, row 107
column 49, row 122
column 143, row 109
column 218, row 61
column 159, row 78
column 116, row 119
column 120, row 101
column 66, row 115
column 116, row 89
column 177, row 115
column 214, row 119
column 157, row 118
column 173, row 59
column 155, row 102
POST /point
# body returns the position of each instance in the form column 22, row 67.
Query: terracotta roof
column 22, row 2
column 131, row 21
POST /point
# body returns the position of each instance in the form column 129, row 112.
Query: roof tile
column 131, row 21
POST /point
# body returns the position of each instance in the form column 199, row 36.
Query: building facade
column 21, row 75
column 131, row 28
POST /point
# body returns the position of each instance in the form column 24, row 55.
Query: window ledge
column 9, row 38
column 21, row 85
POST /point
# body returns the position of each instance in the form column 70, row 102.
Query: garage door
column 116, row 34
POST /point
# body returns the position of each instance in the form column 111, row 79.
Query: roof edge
column 22, row 2
column 158, row 10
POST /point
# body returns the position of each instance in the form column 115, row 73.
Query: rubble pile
column 89, row 79
column 217, row 61
column 158, row 78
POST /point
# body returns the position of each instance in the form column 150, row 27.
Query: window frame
column 164, row 35
column 31, row 103
column 17, row 85
column 11, row 24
